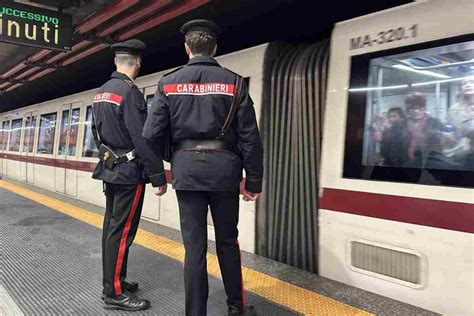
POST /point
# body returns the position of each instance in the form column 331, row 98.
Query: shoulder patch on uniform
column 108, row 97
column 170, row 72
column 189, row 88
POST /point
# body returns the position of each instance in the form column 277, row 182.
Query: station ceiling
column 245, row 23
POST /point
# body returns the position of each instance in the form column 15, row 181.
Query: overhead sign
column 33, row 26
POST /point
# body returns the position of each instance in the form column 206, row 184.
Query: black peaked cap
column 130, row 47
column 201, row 25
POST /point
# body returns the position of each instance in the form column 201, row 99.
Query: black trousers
column 193, row 206
column 124, row 205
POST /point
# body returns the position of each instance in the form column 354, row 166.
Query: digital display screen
column 34, row 26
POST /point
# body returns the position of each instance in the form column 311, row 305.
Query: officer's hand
column 161, row 190
column 250, row 196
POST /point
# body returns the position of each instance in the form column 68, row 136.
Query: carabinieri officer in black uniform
column 192, row 105
column 126, row 164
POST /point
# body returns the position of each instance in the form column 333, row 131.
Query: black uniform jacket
column 193, row 103
column 119, row 115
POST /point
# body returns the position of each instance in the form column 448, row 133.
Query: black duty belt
column 110, row 157
column 129, row 156
column 213, row 144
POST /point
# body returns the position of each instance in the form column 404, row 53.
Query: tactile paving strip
column 297, row 299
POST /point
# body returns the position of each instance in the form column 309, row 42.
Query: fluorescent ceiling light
column 459, row 63
column 424, row 72
column 379, row 88
column 441, row 81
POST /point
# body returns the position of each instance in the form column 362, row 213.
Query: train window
column 30, row 128
column 68, row 132
column 47, row 130
column 411, row 114
column 73, row 131
column 4, row 135
column 89, row 148
column 15, row 135
column 63, row 133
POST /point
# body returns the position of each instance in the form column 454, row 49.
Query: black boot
column 127, row 302
column 246, row 311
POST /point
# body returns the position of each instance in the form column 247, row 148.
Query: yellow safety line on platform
column 293, row 297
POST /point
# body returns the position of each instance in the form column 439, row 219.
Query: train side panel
column 444, row 256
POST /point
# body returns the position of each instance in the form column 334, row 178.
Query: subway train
column 369, row 153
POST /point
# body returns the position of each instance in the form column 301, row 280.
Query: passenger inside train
column 421, row 112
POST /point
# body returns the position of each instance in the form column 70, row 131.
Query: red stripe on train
column 77, row 165
column 434, row 213
column 52, row 162
column 441, row 214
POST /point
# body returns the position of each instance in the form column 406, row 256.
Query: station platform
column 51, row 265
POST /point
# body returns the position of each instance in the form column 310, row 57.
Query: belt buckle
column 130, row 156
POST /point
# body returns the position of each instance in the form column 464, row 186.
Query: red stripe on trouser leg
column 241, row 277
column 123, row 241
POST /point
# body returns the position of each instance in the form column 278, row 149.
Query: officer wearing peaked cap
column 209, row 115
column 126, row 164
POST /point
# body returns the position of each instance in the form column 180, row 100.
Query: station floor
column 50, row 259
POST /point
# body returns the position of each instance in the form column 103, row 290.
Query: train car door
column 66, row 163
column 23, row 157
column 27, row 165
column 3, row 144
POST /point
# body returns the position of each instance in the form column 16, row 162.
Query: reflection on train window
column 418, row 112
column 421, row 112
column 63, row 133
column 47, row 130
column 73, row 131
column 15, row 135
column 29, row 138
column 4, row 135
column 89, row 148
